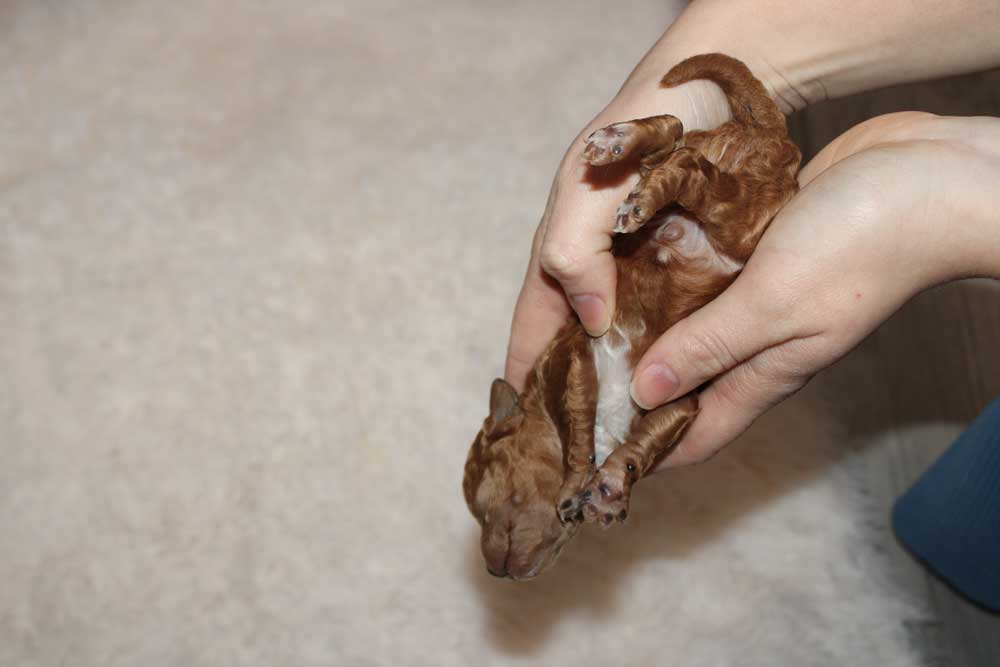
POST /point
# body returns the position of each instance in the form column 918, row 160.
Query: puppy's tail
column 747, row 96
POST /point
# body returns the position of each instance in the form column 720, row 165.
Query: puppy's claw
column 571, row 510
column 570, row 501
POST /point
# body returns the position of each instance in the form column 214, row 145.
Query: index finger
column 577, row 225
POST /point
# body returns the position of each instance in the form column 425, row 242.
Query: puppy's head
column 512, row 477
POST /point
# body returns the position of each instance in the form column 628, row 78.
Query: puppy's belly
column 679, row 235
column 615, row 409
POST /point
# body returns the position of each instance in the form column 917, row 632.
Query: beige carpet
column 257, row 263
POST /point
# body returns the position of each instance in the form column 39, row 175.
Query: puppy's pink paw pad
column 610, row 144
column 603, row 504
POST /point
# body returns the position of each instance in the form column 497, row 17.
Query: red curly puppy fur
column 569, row 449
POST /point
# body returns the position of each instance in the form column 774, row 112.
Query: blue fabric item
column 950, row 519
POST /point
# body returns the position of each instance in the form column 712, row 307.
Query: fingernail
column 653, row 386
column 593, row 313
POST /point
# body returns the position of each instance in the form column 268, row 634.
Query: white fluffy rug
column 257, row 263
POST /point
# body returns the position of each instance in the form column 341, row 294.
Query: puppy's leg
column 684, row 175
column 735, row 224
column 580, row 407
column 606, row 498
column 734, row 208
column 651, row 139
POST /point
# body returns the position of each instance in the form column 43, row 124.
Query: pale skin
column 893, row 206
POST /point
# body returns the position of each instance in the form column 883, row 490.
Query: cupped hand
column 893, row 206
column 571, row 266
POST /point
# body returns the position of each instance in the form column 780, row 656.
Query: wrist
column 944, row 195
column 733, row 27
column 932, row 180
column 967, row 165
column 807, row 52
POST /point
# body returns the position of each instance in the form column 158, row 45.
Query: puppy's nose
column 495, row 573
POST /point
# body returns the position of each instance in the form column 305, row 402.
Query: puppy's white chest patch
column 615, row 409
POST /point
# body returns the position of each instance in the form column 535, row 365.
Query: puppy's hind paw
column 630, row 216
column 604, row 502
column 610, row 144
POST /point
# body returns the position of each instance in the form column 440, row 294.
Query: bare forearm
column 810, row 51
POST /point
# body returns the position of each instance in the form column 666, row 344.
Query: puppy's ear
column 503, row 400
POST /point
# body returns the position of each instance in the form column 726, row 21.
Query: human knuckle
column 559, row 261
column 737, row 387
column 770, row 289
column 785, row 308
column 695, row 454
column 906, row 125
column 776, row 375
column 774, row 303
column 703, row 455
column 519, row 356
column 708, row 351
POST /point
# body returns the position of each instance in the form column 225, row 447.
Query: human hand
column 571, row 264
column 893, row 206
column 802, row 52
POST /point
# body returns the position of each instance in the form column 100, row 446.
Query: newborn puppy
column 569, row 449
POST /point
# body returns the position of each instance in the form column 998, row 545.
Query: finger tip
column 598, row 331
column 593, row 313
column 637, row 399
column 655, row 385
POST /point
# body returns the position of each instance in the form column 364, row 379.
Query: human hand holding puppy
column 896, row 205
column 569, row 447
column 873, row 225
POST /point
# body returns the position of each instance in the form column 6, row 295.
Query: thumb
column 734, row 327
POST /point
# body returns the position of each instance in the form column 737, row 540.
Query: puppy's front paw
column 631, row 215
column 568, row 503
column 605, row 499
column 611, row 144
column 571, row 510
